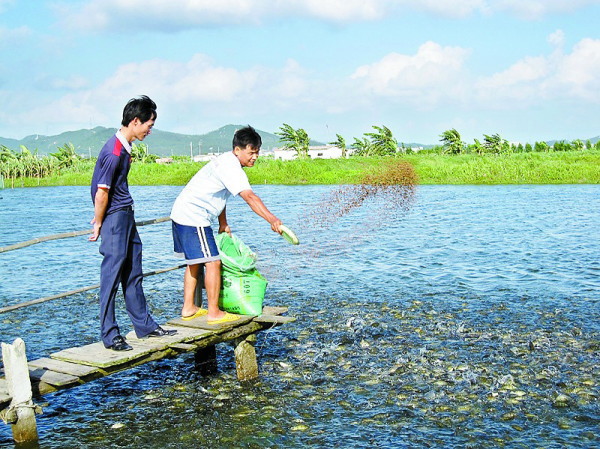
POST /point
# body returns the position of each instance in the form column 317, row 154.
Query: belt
column 129, row 208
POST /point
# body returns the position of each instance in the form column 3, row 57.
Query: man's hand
column 275, row 225
column 95, row 231
column 225, row 228
column 100, row 205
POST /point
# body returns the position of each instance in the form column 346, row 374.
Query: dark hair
column 246, row 136
column 141, row 107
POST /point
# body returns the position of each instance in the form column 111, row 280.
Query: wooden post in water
column 206, row 360
column 19, row 387
column 245, row 358
column 199, row 286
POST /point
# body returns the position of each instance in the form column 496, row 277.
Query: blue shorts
column 195, row 244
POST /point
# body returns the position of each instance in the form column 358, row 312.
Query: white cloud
column 199, row 80
column 70, row 83
column 9, row 36
column 572, row 76
column 165, row 15
column 426, row 76
column 342, row 10
column 201, row 92
column 186, row 92
column 536, row 9
column 577, row 72
column 168, row 15
column 5, row 3
column 451, row 9
column 557, row 39
column 527, row 70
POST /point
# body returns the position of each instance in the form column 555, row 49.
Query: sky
column 528, row 70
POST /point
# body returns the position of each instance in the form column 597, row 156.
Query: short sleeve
column 232, row 175
column 107, row 169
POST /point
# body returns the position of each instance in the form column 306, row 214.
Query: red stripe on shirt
column 118, row 148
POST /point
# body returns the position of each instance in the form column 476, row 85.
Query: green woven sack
column 242, row 293
column 242, row 286
column 236, row 257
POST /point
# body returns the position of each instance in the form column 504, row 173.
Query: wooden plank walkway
column 75, row 366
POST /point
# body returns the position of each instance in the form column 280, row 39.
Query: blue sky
column 528, row 70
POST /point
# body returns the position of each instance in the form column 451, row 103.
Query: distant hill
column 162, row 143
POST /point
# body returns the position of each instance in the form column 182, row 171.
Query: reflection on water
column 470, row 320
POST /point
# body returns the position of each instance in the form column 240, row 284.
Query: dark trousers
column 121, row 247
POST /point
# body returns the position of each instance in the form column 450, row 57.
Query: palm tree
column 383, row 142
column 477, row 147
column 452, row 142
column 6, row 154
column 141, row 153
column 493, row 143
column 578, row 145
column 66, row 156
column 363, row 147
column 541, row 147
column 340, row 143
column 294, row 139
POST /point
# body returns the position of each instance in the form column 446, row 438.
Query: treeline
column 495, row 144
column 28, row 164
column 378, row 143
column 381, row 142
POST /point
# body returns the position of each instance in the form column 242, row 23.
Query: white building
column 314, row 152
column 204, row 157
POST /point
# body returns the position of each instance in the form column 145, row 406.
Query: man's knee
column 215, row 265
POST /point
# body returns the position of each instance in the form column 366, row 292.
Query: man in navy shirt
column 114, row 222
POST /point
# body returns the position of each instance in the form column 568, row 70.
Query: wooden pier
column 75, row 366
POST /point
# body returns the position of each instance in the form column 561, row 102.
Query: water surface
column 470, row 320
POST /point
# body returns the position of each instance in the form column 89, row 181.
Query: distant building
column 314, row 152
column 204, row 157
column 164, row 160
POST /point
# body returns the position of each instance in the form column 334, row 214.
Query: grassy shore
column 574, row 167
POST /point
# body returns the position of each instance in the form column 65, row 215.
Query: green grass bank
column 572, row 167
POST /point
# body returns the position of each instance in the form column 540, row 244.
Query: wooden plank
column 183, row 347
column 274, row 319
column 274, row 310
column 74, row 369
column 52, row 377
column 241, row 331
column 73, row 366
column 201, row 323
column 96, row 354
column 183, row 335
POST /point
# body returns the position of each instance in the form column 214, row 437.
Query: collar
column 124, row 141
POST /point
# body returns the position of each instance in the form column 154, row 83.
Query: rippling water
column 470, row 320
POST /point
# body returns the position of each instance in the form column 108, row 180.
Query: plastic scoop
column 289, row 235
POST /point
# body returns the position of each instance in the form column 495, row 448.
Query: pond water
column 470, row 319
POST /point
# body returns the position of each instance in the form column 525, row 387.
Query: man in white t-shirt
column 201, row 203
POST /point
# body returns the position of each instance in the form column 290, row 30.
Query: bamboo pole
column 79, row 290
column 19, row 387
column 65, row 235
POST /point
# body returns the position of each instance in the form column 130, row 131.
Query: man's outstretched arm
column 260, row 209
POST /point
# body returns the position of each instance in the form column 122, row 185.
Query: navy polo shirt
column 112, row 168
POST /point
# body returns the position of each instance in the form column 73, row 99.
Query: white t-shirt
column 203, row 199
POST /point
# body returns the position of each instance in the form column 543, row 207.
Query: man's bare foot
column 195, row 314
